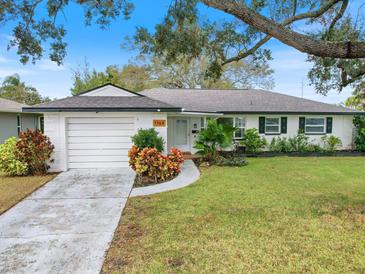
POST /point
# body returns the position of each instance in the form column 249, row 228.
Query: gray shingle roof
column 107, row 103
column 10, row 106
column 241, row 101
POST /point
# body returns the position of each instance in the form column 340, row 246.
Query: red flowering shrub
column 150, row 163
column 176, row 159
column 34, row 149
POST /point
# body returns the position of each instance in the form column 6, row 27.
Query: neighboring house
column 93, row 129
column 12, row 120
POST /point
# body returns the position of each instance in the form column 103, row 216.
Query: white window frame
column 278, row 124
column 242, row 128
column 203, row 122
column 19, row 123
column 315, row 132
column 234, row 125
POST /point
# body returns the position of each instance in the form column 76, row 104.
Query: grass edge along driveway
column 280, row 215
column 15, row 189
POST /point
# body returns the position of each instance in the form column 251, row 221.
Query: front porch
column 183, row 129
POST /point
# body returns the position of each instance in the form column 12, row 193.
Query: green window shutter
column 284, row 125
column 262, row 125
column 329, row 125
column 302, row 124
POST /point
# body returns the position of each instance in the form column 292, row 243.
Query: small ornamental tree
column 34, row 149
column 148, row 138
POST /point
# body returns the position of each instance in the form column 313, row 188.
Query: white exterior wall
column 342, row 127
column 55, row 129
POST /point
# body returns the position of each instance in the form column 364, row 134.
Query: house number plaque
column 159, row 123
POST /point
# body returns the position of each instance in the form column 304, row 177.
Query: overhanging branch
column 303, row 43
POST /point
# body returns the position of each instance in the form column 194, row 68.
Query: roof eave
column 295, row 112
column 54, row 109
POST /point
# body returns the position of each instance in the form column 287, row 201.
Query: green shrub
column 313, row 148
column 360, row 139
column 331, row 143
column 252, row 141
column 148, row 138
column 212, row 139
column 279, row 144
column 150, row 163
column 231, row 161
column 9, row 164
column 299, row 143
column 35, row 149
column 359, row 123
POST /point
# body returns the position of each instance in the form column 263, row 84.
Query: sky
column 102, row 48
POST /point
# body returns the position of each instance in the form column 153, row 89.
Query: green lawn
column 14, row 189
column 283, row 215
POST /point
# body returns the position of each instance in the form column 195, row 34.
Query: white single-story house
column 93, row 129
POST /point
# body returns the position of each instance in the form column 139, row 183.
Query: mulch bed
column 148, row 181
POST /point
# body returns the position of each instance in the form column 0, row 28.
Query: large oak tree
column 336, row 47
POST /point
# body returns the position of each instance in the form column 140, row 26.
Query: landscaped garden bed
column 281, row 215
column 147, row 160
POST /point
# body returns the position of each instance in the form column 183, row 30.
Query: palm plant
column 213, row 138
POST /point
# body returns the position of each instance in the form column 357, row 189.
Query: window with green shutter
column 315, row 125
column 262, row 125
column 284, row 125
column 329, row 125
column 302, row 124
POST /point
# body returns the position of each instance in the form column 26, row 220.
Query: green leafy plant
column 252, row 141
column 148, row 138
column 279, row 144
column 9, row 164
column 236, row 161
column 331, row 143
column 212, row 139
column 359, row 123
column 34, row 149
column 150, row 163
column 299, row 143
column 360, row 139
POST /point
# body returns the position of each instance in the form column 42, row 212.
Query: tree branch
column 324, row 8
column 349, row 79
column 338, row 15
column 303, row 43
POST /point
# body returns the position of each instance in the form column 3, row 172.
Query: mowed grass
column 14, row 189
column 283, row 215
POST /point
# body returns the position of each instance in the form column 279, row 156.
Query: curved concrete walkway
column 188, row 175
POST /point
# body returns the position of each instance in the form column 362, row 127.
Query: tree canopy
column 182, row 74
column 14, row 89
column 356, row 101
column 333, row 37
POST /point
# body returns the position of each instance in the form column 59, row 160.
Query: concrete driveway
column 67, row 225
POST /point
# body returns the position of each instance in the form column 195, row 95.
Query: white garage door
column 99, row 142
